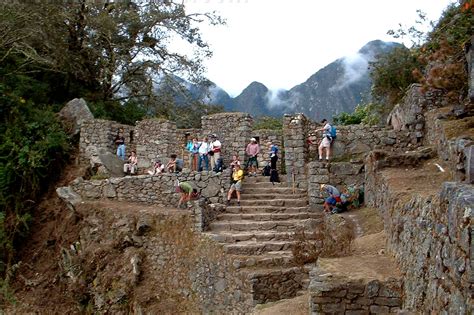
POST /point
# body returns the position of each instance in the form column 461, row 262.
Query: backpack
column 266, row 170
column 333, row 132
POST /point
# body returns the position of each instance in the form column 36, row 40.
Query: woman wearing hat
column 252, row 150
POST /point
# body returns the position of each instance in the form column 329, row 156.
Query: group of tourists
column 201, row 153
column 208, row 151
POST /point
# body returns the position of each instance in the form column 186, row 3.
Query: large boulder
column 69, row 196
column 74, row 114
column 103, row 162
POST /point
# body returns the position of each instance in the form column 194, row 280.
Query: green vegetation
column 52, row 53
column 267, row 122
column 363, row 114
column 435, row 61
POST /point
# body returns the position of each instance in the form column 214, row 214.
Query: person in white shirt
column 203, row 154
column 215, row 148
column 325, row 143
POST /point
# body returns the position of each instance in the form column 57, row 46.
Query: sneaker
column 238, row 203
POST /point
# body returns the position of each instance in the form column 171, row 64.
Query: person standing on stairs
column 236, row 186
column 252, row 150
column 120, row 143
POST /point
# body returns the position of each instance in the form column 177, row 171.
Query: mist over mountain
column 338, row 87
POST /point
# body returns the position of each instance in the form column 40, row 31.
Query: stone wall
column 454, row 140
column 158, row 189
column 354, row 141
column 100, row 134
column 338, row 174
column 332, row 294
column 295, row 129
column 430, row 236
column 155, row 139
column 233, row 131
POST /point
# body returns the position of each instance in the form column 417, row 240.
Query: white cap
column 253, row 139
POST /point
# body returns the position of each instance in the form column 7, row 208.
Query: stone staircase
column 259, row 233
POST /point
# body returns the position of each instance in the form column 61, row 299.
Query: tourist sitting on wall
column 236, row 186
column 334, row 196
column 157, row 168
column 179, row 165
column 132, row 164
column 171, row 165
column 187, row 192
column 203, row 154
column 252, row 150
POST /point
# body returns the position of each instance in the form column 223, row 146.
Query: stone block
column 469, row 164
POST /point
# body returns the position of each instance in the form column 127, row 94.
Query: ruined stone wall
column 354, row 141
column 100, row 134
column 155, row 139
column 431, row 239
column 158, row 189
column 453, row 141
column 332, row 294
column 338, row 174
column 295, row 129
column 233, row 131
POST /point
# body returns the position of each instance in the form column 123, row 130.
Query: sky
column 281, row 43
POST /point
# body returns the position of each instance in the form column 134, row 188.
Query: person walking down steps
column 236, row 186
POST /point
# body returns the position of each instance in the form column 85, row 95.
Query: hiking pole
column 293, row 180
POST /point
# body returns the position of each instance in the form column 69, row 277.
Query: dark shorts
column 252, row 161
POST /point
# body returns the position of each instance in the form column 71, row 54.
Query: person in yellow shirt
column 237, row 177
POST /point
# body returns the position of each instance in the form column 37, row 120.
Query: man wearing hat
column 252, row 150
column 215, row 148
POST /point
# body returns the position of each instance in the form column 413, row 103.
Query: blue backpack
column 333, row 132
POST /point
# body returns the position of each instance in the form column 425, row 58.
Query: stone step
column 252, row 196
column 282, row 259
column 266, row 216
column 262, row 179
column 233, row 208
column 271, row 190
column 278, row 226
column 275, row 202
column 229, row 237
column 247, row 185
column 257, row 248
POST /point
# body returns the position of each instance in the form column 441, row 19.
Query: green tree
column 392, row 74
column 111, row 51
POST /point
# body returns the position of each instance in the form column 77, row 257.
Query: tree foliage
column 267, row 122
column 363, row 114
column 113, row 54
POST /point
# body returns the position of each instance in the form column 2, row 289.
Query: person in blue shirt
column 193, row 148
column 273, row 155
column 334, row 196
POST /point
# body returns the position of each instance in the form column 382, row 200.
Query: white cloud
column 281, row 43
